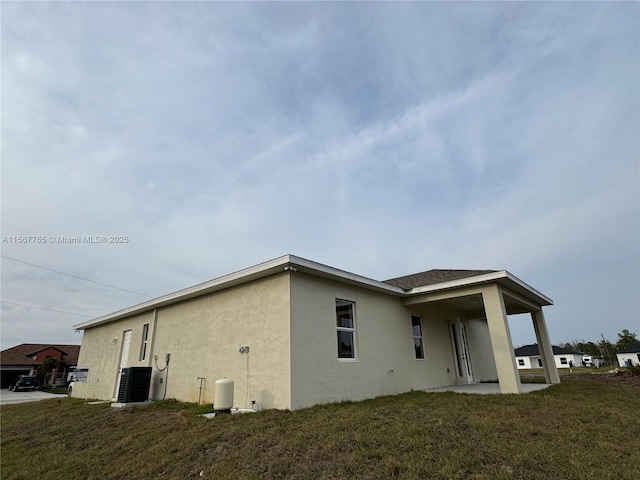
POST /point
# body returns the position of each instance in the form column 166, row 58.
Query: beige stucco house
column 292, row 333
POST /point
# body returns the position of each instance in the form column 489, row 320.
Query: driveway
column 7, row 396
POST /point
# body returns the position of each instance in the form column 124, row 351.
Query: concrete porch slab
column 487, row 388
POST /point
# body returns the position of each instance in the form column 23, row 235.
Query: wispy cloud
column 382, row 138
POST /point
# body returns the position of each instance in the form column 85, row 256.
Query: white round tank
column 223, row 395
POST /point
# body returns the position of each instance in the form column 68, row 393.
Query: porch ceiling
column 473, row 307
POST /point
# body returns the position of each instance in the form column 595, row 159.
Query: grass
column 568, row 371
column 57, row 390
column 582, row 429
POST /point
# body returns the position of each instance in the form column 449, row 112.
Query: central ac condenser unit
column 134, row 384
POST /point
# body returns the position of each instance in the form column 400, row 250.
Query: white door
column 461, row 352
column 124, row 356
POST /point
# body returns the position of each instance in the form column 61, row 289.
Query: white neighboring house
column 528, row 356
column 629, row 356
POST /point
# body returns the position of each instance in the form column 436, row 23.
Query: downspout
column 152, row 341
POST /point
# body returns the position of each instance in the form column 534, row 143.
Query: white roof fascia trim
column 262, row 269
column 486, row 278
column 528, row 287
column 344, row 275
column 220, row 282
column 461, row 282
column 186, row 292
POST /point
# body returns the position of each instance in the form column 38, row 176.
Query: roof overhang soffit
column 287, row 263
column 519, row 291
column 515, row 302
column 438, row 296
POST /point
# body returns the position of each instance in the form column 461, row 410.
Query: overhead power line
column 49, row 309
column 75, row 276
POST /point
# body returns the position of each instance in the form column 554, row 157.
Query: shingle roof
column 21, row 354
column 431, row 277
column 532, row 350
column 631, row 349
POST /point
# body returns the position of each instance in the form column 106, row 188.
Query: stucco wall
column 100, row 352
column 385, row 363
column 529, row 362
column 532, row 362
column 576, row 359
column 288, row 321
column 203, row 336
column 48, row 352
column 623, row 358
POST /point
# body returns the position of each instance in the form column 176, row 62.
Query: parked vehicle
column 25, row 382
column 591, row 361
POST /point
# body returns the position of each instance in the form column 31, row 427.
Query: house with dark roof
column 24, row 359
column 629, row 355
column 292, row 333
column 528, row 356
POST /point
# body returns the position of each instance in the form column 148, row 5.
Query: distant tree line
column 604, row 348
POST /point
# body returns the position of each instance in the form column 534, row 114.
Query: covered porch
column 490, row 298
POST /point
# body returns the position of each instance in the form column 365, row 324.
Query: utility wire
column 75, row 276
column 50, row 309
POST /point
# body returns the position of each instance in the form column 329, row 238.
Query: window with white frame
column 416, row 325
column 563, row 360
column 143, row 343
column 521, row 362
column 346, row 327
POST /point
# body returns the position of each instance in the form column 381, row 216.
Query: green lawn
column 572, row 370
column 582, row 429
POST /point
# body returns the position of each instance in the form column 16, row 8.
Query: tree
column 607, row 351
column 45, row 369
column 626, row 339
column 583, row 346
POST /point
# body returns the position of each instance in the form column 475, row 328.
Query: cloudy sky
column 379, row 138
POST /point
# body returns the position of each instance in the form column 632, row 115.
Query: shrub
column 633, row 369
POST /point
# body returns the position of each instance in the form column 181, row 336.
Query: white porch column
column 501, row 340
column 544, row 347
